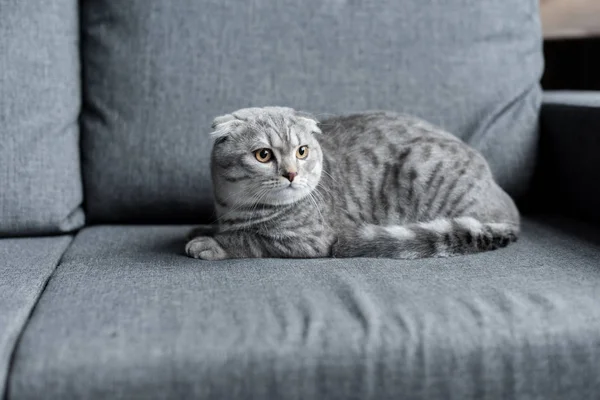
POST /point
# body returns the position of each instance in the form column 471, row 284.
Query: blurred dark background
column 572, row 44
column 572, row 64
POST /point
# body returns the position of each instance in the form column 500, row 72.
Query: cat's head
column 265, row 155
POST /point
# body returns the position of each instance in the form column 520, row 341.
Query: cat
column 376, row 184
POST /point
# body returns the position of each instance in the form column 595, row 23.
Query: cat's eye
column 302, row 152
column 263, row 155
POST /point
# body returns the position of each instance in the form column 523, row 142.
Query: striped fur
column 373, row 185
column 437, row 238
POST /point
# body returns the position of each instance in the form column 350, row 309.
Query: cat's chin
column 289, row 195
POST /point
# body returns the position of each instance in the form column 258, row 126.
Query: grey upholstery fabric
column 157, row 72
column 126, row 315
column 25, row 265
column 40, row 182
column 568, row 178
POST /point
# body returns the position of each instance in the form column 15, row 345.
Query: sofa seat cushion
column 25, row 266
column 127, row 315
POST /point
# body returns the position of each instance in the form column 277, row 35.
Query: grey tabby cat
column 376, row 184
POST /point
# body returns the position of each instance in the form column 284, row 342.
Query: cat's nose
column 290, row 176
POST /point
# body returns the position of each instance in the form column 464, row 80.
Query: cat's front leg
column 202, row 230
column 205, row 248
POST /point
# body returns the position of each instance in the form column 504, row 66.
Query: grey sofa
column 104, row 112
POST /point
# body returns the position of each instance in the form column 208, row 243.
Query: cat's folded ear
column 308, row 121
column 225, row 125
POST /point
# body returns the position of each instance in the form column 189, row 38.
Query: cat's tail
column 437, row 238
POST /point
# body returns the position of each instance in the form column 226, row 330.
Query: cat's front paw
column 205, row 248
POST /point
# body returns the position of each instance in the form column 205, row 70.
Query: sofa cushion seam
column 31, row 311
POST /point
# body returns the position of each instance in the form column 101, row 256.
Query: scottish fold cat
column 375, row 184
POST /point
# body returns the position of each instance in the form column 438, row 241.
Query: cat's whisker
column 238, row 205
column 324, row 197
column 330, row 176
column 311, row 197
column 325, row 188
column 253, row 209
column 236, row 194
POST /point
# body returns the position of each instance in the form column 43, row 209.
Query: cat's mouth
column 289, row 192
column 289, row 186
column 286, row 185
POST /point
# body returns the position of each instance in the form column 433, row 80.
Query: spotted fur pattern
column 376, row 184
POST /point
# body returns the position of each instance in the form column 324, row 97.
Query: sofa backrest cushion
column 157, row 72
column 40, row 174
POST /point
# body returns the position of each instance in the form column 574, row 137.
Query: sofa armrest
column 567, row 178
